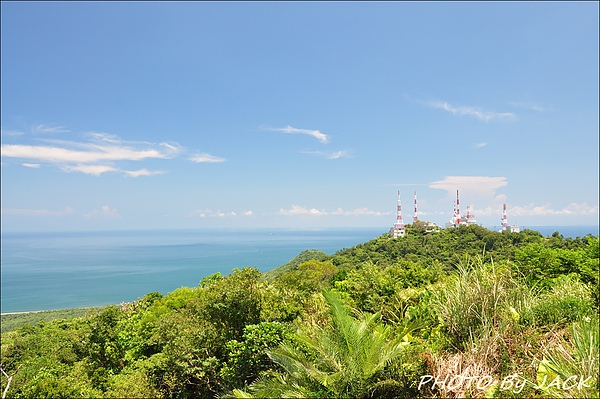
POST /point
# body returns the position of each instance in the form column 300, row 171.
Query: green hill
column 304, row 256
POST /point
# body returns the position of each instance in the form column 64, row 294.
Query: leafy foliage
column 342, row 359
column 368, row 321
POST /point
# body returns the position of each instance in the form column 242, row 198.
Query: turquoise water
column 43, row 271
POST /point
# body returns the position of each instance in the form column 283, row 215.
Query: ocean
column 45, row 271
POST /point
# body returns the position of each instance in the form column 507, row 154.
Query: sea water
column 43, row 271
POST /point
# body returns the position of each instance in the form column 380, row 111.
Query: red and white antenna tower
column 504, row 219
column 453, row 220
column 399, row 222
column 457, row 209
column 416, row 217
column 470, row 218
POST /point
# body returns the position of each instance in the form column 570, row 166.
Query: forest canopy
column 455, row 313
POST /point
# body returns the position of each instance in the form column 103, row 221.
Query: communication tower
column 504, row 219
column 457, row 209
column 470, row 218
column 416, row 217
column 398, row 229
column 514, row 228
column 456, row 219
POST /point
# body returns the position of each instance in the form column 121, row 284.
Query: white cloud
column 360, row 212
column 475, row 186
column 95, row 153
column 206, row 213
column 298, row 210
column 44, row 128
column 206, row 158
column 142, row 172
column 479, row 145
column 543, row 210
column 100, row 153
column 95, row 170
column 171, row 147
column 527, row 105
column 532, row 209
column 330, row 154
column 322, row 137
column 103, row 213
column 201, row 212
column 248, row 213
column 104, row 137
column 473, row 111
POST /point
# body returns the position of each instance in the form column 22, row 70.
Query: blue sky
column 303, row 115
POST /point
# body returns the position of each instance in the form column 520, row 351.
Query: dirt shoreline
column 49, row 310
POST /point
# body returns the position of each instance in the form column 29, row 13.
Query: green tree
column 247, row 358
column 311, row 276
column 345, row 358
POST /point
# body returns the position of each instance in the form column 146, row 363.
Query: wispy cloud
column 143, row 172
column 527, row 105
column 206, row 158
column 479, row 145
column 322, row 137
column 532, row 209
column 45, row 128
column 103, row 213
column 476, row 186
column 95, row 170
column 98, row 154
column 360, row 212
column 543, row 210
column 209, row 213
column 478, row 113
column 92, row 153
column 330, row 154
column 297, row 210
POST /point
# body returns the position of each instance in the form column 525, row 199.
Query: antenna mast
column 416, row 217
column 457, row 209
column 399, row 222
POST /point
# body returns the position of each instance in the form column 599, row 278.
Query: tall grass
column 474, row 301
column 570, row 367
column 494, row 324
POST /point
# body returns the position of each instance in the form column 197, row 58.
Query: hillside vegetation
column 464, row 312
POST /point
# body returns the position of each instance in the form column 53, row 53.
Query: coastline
column 13, row 320
column 143, row 261
column 49, row 310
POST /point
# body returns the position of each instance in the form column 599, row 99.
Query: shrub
column 567, row 301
